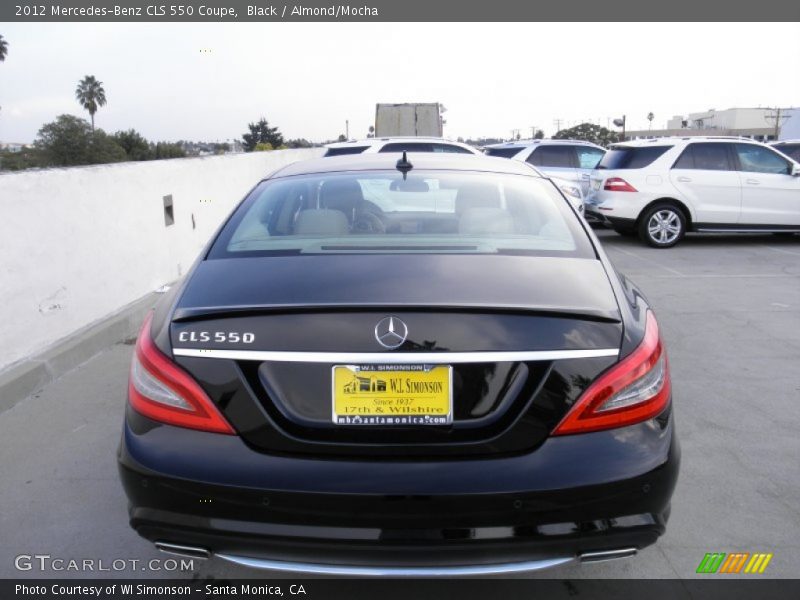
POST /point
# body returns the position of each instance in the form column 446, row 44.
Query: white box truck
column 412, row 118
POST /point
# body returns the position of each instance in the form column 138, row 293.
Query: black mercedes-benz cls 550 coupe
column 402, row 365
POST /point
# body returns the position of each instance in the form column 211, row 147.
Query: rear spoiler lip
column 205, row 313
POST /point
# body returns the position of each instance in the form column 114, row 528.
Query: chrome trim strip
column 368, row 571
column 179, row 550
column 395, row 358
column 608, row 555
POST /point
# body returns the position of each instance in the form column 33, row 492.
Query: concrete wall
column 79, row 244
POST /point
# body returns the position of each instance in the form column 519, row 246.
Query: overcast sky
column 308, row 78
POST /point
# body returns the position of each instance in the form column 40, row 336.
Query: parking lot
column 729, row 307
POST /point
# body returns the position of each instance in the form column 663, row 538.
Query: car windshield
column 383, row 212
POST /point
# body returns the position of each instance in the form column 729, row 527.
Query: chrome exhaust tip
column 602, row 556
column 181, row 550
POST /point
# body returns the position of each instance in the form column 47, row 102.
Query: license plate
column 392, row 395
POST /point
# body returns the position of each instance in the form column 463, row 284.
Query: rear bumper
column 621, row 223
column 597, row 492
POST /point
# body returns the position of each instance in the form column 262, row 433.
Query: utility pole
column 557, row 123
column 777, row 117
column 347, row 129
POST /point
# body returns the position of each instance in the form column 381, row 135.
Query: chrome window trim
column 396, row 358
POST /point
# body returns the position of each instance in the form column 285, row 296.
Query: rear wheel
column 662, row 226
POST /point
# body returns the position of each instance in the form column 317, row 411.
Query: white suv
column 662, row 188
column 398, row 144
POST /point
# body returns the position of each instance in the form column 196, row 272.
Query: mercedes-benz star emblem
column 391, row 332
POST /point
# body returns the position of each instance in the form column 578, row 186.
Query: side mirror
column 796, row 170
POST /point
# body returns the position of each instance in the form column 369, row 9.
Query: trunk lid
column 522, row 336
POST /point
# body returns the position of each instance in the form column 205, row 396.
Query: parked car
column 414, row 365
column 790, row 148
column 570, row 160
column 662, row 188
column 398, row 144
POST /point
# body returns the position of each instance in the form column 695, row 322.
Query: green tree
column 135, row 145
column 69, row 140
column 588, row 132
column 103, row 149
column 539, row 135
column 484, row 141
column 3, row 49
column 91, row 95
column 341, row 138
column 169, row 150
column 263, row 147
column 27, row 158
column 299, row 143
column 261, row 133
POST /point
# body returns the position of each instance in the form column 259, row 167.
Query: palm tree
column 3, row 49
column 91, row 95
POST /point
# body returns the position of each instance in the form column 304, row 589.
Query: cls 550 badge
column 222, row 337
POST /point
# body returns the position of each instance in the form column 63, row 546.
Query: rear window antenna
column 404, row 166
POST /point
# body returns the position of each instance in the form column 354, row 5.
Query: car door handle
column 684, row 179
column 752, row 182
column 585, row 176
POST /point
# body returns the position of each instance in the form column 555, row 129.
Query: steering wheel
column 368, row 222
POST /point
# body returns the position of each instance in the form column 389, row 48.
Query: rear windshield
column 345, row 150
column 631, row 157
column 380, row 212
column 502, row 152
column 790, row 150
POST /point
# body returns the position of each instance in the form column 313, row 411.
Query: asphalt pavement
column 729, row 308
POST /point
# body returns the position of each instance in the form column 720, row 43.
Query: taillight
column 161, row 390
column 618, row 184
column 634, row 390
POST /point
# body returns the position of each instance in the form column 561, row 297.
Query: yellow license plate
column 392, row 395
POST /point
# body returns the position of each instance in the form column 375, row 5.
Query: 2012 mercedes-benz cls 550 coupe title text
column 390, row 364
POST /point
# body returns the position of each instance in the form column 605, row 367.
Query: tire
column 662, row 225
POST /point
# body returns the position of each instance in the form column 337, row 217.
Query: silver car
column 570, row 160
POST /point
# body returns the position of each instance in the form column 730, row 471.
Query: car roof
column 687, row 138
column 420, row 160
column 388, row 140
column 546, row 142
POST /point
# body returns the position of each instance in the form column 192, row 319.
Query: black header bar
column 267, row 11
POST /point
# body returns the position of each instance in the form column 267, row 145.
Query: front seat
column 344, row 195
